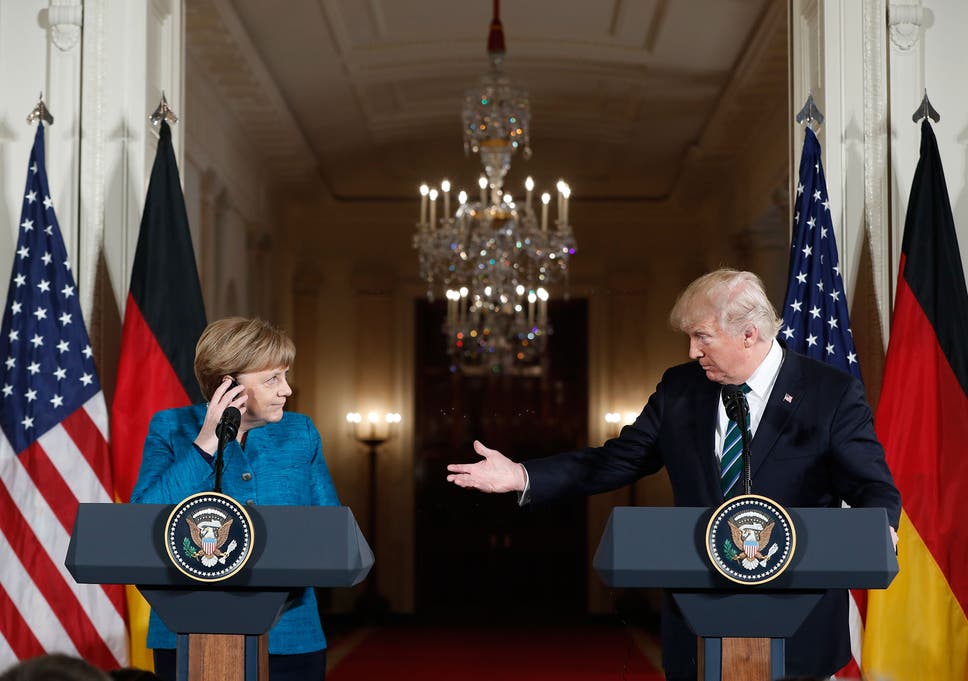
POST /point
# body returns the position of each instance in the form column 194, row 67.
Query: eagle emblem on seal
column 209, row 536
column 751, row 533
column 750, row 539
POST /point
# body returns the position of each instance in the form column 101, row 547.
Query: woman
column 276, row 458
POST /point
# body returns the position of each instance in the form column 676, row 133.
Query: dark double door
column 478, row 555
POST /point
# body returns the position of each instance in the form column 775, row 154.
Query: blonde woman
column 275, row 459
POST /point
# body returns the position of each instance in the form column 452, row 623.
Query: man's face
column 267, row 391
column 724, row 358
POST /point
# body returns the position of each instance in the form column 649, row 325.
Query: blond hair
column 236, row 345
column 736, row 299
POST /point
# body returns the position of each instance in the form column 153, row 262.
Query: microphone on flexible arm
column 738, row 410
column 226, row 430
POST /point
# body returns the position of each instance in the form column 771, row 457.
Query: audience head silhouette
column 54, row 667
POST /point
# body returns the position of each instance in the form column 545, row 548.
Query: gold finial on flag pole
column 163, row 113
column 40, row 112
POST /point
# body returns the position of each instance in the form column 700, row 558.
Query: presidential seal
column 209, row 536
column 750, row 539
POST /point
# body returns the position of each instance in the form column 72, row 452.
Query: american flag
column 815, row 321
column 53, row 450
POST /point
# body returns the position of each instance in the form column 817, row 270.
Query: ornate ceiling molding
column 217, row 40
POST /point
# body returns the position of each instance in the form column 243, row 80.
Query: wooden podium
column 836, row 549
column 222, row 627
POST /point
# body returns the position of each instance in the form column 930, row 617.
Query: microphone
column 228, row 426
column 738, row 410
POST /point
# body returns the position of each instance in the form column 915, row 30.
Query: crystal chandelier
column 493, row 257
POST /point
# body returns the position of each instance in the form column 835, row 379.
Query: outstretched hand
column 494, row 473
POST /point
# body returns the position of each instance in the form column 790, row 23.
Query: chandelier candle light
column 494, row 259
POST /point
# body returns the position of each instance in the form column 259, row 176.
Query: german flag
column 917, row 629
column 163, row 317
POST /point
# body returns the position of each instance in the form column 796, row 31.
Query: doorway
column 481, row 555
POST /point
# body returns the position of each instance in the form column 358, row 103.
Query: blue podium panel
column 665, row 547
column 295, row 546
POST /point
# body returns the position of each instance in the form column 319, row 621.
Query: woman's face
column 267, row 391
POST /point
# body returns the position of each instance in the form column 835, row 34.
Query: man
column 813, row 445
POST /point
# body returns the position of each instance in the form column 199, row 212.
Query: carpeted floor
column 478, row 653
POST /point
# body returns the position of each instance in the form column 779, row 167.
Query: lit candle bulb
column 452, row 298
column 445, row 188
column 462, row 197
column 565, row 193
column 560, row 186
column 482, row 183
column 424, row 190
column 433, row 208
column 542, row 306
column 545, row 200
column 529, row 186
column 532, row 298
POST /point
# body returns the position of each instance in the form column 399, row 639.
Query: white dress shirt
column 761, row 385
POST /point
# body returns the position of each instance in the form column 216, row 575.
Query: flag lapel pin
column 788, row 398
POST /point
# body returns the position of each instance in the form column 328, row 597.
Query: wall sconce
column 372, row 431
column 616, row 421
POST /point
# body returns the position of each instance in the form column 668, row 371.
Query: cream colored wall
column 30, row 63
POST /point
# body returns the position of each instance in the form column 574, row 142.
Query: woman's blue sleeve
column 170, row 469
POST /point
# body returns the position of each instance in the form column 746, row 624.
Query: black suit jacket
column 815, row 446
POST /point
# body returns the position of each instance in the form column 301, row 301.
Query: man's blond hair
column 736, row 300
column 236, row 345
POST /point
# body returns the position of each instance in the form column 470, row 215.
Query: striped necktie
column 732, row 461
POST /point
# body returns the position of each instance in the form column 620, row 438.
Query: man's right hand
column 495, row 473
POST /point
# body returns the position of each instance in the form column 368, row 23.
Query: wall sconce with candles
column 616, row 421
column 374, row 429
column 372, row 432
